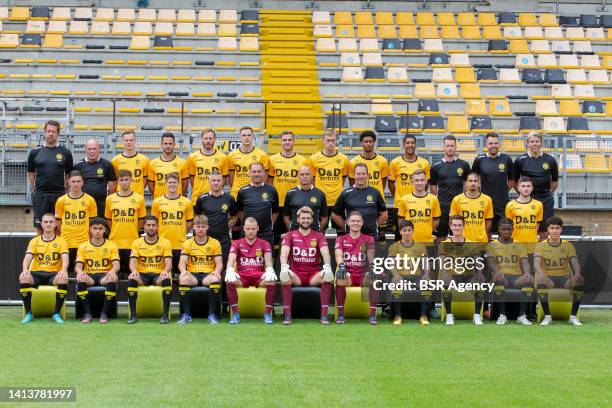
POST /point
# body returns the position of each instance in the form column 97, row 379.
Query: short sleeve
column 287, row 239
column 351, row 172
column 189, row 211
column 392, row 170
column 267, row 248
column 571, row 251
column 454, row 208
column 114, row 252
column 434, row 176
column 80, row 253
column 554, row 169
column 145, row 167
column 265, row 160
column 339, row 242
column 93, row 208
column 401, row 207
column 107, row 209
column 436, row 212
column 510, row 168
column 111, row 175
column 59, row 208
column 223, row 167
column 240, row 201
column 69, row 161
column 186, row 249
column 191, row 167
column 489, row 209
column 339, row 207
column 345, row 170
column 380, row 202
column 275, row 205
column 31, row 164
column 134, row 253
column 142, row 209
column 516, row 169
column 322, row 240
column 167, row 249
column 427, row 169
column 466, row 170
column 271, row 169
column 184, row 171
column 233, row 208
column 155, row 208
column 30, row 249
column 63, row 246
column 476, row 165
column 384, row 168
column 540, row 212
column 150, row 171
column 324, row 210
column 234, row 248
column 509, row 213
column 230, row 162
column 216, row 250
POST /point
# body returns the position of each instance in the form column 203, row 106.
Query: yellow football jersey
column 239, row 162
column 47, row 254
column 151, row 258
column 158, row 169
column 555, row 259
column 328, row 172
column 138, row 165
column 173, row 215
column 75, row 214
column 124, row 212
column 421, row 211
column 400, row 171
column 459, row 252
column 475, row 211
column 526, row 218
column 201, row 166
column 201, row 257
column 507, row 256
column 285, row 173
column 415, row 253
column 378, row 170
column 97, row 259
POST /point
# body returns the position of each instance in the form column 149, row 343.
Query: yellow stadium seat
column 450, row 32
column 227, row 44
column 60, row 14
column 325, row 45
column 471, row 33
column 347, row 45
column 475, row 107
column 78, row 28
column 53, row 41
column 249, row 44
column 487, row 19
column 447, row 91
column 228, row 16
column 343, row 17
column 425, row 18
column 364, row 17
column 185, row 29
column 466, row 19
column 20, row 14
column 446, row 19
column 465, row 74
column 149, row 303
column 387, row 31
column 381, row 107
column 595, row 163
column 429, row 32
column 518, row 47
column 546, row 108
column 527, row 19
column 321, row 17
column 491, row 32
column 186, row 16
column 499, row 107
column 470, row 91
column 458, row 124
column 105, row 14
column 513, row 145
column 548, row 20
column 126, row 14
column 345, row 31
column 554, row 125
column 100, row 28
column 408, row 31
column 384, row 18
column 366, row 31
column 140, row 42
column 442, row 75
column 404, row 18
column 424, row 90
column 352, row 74
column 207, row 16
column 227, row 30
column 166, row 15
column 569, row 108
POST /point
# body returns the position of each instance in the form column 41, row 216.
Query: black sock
column 83, row 294
column 397, row 308
column 478, row 300
column 499, row 298
column 26, row 294
column 60, row 296
column 214, row 297
column 424, row 308
column 448, row 298
column 523, row 308
column 577, row 298
column 166, row 295
column 132, row 296
column 109, row 297
column 185, row 292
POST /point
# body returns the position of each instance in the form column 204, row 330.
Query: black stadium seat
column 605, row 21
column 481, row 122
column 438, row 58
column 498, row 45
column 486, row 74
column 391, row 44
column 554, row 76
column 532, row 76
column 385, row 124
column 592, row 107
column 40, row 12
column 178, row 93
column 410, row 122
column 162, row 41
column 31, row 39
column 337, row 121
column 153, row 110
column 506, row 18
column 249, row 15
column 428, row 105
column 588, row 20
column 412, row 44
column 388, row 143
column 577, row 123
column 249, row 28
column 568, row 21
column 433, row 122
column 530, row 123
column 374, row 73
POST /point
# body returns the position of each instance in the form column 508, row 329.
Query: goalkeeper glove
column 328, row 275
column 285, row 273
column 341, row 273
column 269, row 275
column 231, row 276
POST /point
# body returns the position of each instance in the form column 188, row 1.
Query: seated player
column 45, row 263
column 354, row 255
column 556, row 266
column 460, row 249
column 97, row 263
column 509, row 264
column 410, row 249
column 200, row 265
column 250, row 264
column 300, row 258
column 150, row 264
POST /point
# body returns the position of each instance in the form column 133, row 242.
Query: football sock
column 60, row 296
column 340, row 298
column 26, row 294
column 271, row 295
column 132, row 296
column 326, row 291
column 166, row 295
column 83, row 293
column 214, row 297
column 185, row 292
column 232, row 296
column 109, row 296
column 373, row 297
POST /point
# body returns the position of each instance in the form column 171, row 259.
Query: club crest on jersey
column 313, row 243
column 83, row 203
column 105, row 251
column 370, row 198
column 100, row 171
column 174, row 164
column 207, row 250
column 224, row 207
column 460, row 171
column 133, row 201
column 362, row 247
column 502, row 167
column 428, row 201
column 265, row 196
column 258, row 252
column 338, row 161
column 545, row 166
column 532, row 207
column 216, row 160
column 54, row 245
column 59, row 157
column 313, row 200
column 158, row 248
column 482, row 203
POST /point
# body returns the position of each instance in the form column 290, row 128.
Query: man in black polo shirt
column 98, row 174
column 48, row 166
column 220, row 208
column 495, row 170
column 543, row 171
column 363, row 198
column 260, row 201
column 447, row 177
column 305, row 195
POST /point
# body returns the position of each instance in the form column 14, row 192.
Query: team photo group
column 247, row 219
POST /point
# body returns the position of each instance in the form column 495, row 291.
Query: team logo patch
column 207, row 250
column 104, row 251
column 482, row 203
column 313, row 200
column 258, row 252
column 100, row 171
column 83, row 203
column 181, row 204
column 59, row 156
column 376, row 164
column 54, row 245
column 428, row 201
column 133, row 201
column 253, row 158
column 216, row 160
column 362, row 247
column 338, row 161
column 174, row 164
column 265, row 196
column 545, row 166
column 137, row 162
column 502, row 166
column 460, row 171
column 224, row 207
column 313, row 243
column 158, row 248
column 532, row 207
column 369, row 197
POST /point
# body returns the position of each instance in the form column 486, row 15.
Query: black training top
column 449, row 177
column 51, row 164
column 259, row 203
column 542, row 170
column 217, row 209
column 297, row 198
column 96, row 176
column 368, row 201
column 494, row 175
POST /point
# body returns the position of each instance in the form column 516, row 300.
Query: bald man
column 305, row 194
column 98, row 173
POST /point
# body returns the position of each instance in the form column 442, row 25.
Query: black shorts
column 42, row 203
column 559, row 281
column 124, row 263
column 176, row 258
column 42, row 278
column 72, row 254
column 443, row 229
column 200, row 276
column 149, row 278
column 97, row 278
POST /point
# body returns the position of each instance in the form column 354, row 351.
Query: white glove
column 285, row 273
column 231, row 276
column 328, row 275
column 269, row 275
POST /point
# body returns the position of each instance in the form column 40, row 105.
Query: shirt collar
column 449, row 161
column 493, row 157
column 308, row 189
column 532, row 156
column 96, row 161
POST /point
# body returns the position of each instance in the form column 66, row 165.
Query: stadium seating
column 251, row 302
column 149, row 302
column 355, row 307
column 43, row 302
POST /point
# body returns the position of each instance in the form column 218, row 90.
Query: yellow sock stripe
column 62, row 291
column 82, row 293
column 167, row 288
column 107, row 293
column 132, row 289
column 185, row 288
column 25, row 290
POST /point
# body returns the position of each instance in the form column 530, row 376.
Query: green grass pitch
column 307, row 365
